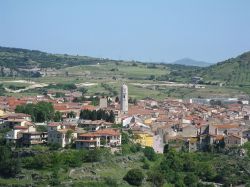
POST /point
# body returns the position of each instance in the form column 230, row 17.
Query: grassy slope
column 234, row 71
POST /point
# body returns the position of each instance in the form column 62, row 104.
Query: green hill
column 234, row 71
column 23, row 58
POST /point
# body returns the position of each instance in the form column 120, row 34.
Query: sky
column 144, row 30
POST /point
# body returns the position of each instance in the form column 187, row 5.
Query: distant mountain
column 191, row 62
column 234, row 71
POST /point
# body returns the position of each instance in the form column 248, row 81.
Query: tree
column 41, row 128
column 83, row 90
column 71, row 114
column 93, row 156
column 69, row 134
column 134, row 177
column 9, row 166
column 58, row 116
column 111, row 117
column 125, row 138
column 166, row 148
column 191, row 180
column 54, row 180
column 40, row 112
column 117, row 99
column 156, row 178
column 150, row 153
column 2, row 71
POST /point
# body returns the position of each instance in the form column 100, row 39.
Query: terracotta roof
column 226, row 126
column 219, row 137
column 111, row 132
column 16, row 115
column 54, row 124
column 234, row 135
column 20, row 127
column 136, row 110
column 88, row 107
column 95, row 122
column 88, row 135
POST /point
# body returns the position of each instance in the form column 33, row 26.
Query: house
column 54, row 126
column 15, row 135
column 100, row 138
column 61, row 137
column 88, row 140
column 15, row 119
column 189, row 131
column 234, row 140
column 94, row 125
column 177, row 143
column 143, row 138
column 2, row 113
column 111, row 137
column 34, row 138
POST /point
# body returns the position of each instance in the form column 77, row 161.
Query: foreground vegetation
column 132, row 165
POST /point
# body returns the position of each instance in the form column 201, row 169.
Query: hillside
column 191, row 62
column 234, row 71
column 24, row 58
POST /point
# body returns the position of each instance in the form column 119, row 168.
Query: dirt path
column 31, row 86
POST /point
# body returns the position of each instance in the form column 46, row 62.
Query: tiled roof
column 20, row 127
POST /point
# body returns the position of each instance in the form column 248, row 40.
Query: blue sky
column 146, row 30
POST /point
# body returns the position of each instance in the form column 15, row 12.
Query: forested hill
column 24, row 58
column 232, row 71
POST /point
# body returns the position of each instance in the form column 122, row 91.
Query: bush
column 191, row 180
column 111, row 182
column 146, row 165
column 134, row 177
column 156, row 178
column 149, row 153
column 54, row 146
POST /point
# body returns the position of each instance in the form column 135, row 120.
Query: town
column 124, row 93
column 193, row 124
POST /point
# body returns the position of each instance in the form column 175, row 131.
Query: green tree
column 156, row 178
column 9, row 166
column 71, row 114
column 134, row 177
column 54, row 179
column 150, row 153
column 83, row 90
column 166, row 148
column 58, row 116
column 40, row 112
column 191, row 180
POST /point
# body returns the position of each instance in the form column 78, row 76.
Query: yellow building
column 143, row 138
column 2, row 113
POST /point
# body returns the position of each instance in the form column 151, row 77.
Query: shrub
column 149, row 153
column 191, row 180
column 156, row 178
column 134, row 177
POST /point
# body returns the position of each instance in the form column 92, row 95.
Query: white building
column 124, row 98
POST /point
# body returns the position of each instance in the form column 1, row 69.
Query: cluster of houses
column 190, row 124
